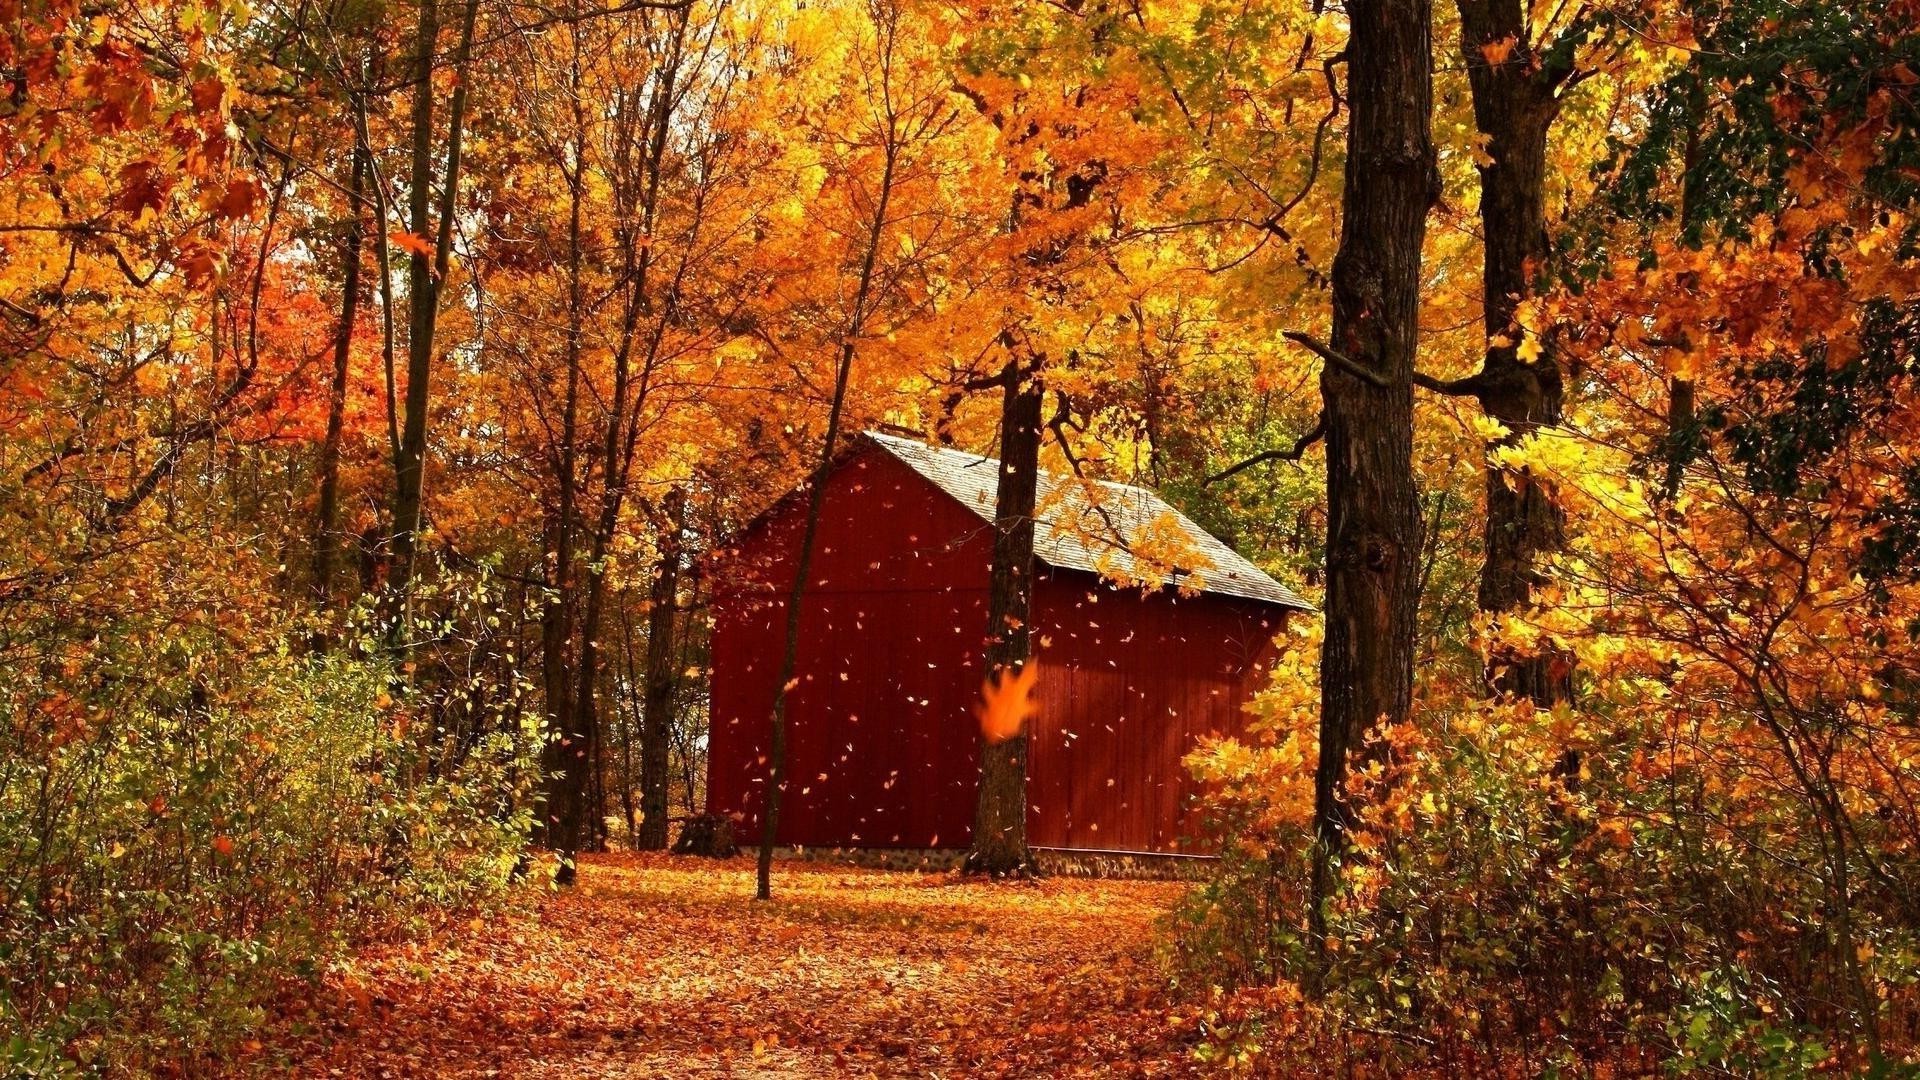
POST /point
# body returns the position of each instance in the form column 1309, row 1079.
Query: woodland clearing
column 666, row 967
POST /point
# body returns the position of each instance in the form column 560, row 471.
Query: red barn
column 883, row 746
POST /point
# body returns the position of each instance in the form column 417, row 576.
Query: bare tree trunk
column 1000, row 819
column 1373, row 510
column 423, row 281
column 816, row 491
column 656, row 738
column 326, row 527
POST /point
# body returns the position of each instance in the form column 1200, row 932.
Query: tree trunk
column 1514, row 105
column 423, row 282
column 326, row 527
column 1680, row 398
column 569, row 705
column 629, row 715
column 656, row 737
column 1000, row 820
column 1373, row 510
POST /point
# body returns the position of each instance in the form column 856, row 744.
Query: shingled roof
column 1071, row 532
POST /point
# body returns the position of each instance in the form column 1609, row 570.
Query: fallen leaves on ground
column 665, row 967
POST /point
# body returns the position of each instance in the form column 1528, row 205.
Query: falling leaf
column 414, row 243
column 1006, row 702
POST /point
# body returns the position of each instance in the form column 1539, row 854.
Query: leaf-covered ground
column 664, row 967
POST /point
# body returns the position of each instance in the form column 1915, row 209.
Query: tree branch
column 1294, row 453
column 1467, row 387
column 1336, row 359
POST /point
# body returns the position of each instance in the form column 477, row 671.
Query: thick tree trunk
column 656, row 737
column 326, row 526
column 1000, row 819
column 1514, row 105
column 1373, row 520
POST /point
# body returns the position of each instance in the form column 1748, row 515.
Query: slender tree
column 427, row 266
column 656, row 733
column 326, row 526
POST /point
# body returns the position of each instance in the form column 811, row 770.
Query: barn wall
column 883, row 747
column 882, row 750
column 1128, row 684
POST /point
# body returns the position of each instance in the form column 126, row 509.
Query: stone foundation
column 1055, row 863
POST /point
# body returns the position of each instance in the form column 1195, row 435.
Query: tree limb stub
column 1337, row 359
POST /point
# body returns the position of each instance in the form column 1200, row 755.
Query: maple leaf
column 414, row 243
column 239, row 199
column 1499, row 52
column 1006, row 702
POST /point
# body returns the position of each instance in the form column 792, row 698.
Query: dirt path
column 660, row 967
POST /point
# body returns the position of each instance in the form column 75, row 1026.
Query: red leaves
column 239, row 199
column 144, row 186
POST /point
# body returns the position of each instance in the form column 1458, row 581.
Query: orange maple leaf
column 413, row 242
column 1006, row 701
column 1498, row 52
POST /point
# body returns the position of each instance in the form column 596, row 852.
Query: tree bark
column 656, row 736
column 1000, row 819
column 1373, row 526
column 1514, row 105
column 326, row 527
column 568, row 753
column 1680, row 395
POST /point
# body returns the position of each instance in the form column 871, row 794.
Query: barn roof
column 1071, row 532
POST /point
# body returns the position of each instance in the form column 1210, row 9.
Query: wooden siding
column 1128, row 684
column 883, row 745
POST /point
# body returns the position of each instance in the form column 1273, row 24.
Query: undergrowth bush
column 1537, row 892
column 193, row 815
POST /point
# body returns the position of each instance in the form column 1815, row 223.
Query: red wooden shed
column 883, row 746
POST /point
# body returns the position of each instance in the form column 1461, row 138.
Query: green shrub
column 190, row 819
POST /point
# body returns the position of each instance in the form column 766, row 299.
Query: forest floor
column 656, row 966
